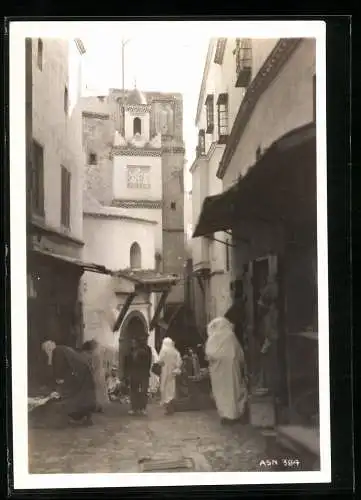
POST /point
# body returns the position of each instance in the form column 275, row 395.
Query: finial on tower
column 135, row 83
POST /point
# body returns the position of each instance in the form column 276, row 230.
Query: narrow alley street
column 117, row 442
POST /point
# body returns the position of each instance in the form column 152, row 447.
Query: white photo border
column 19, row 31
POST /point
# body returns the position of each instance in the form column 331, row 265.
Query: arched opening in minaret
column 135, row 256
column 137, row 126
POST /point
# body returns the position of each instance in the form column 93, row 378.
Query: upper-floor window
column 137, row 126
column 135, row 256
column 220, row 48
column 173, row 205
column 66, row 100
column 243, row 55
column 40, row 54
column 65, row 197
column 37, row 179
column 210, row 113
column 138, row 177
column 222, row 109
column 92, row 159
column 201, row 149
column 314, row 98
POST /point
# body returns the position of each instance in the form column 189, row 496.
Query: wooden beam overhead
column 158, row 310
column 123, row 311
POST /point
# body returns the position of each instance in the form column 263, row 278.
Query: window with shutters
column 92, row 159
column 201, row 149
column 220, row 48
column 210, row 113
column 65, row 197
column 243, row 56
column 40, row 54
column 66, row 100
column 37, row 179
column 222, row 110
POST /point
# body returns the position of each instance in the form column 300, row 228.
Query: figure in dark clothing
column 137, row 366
column 74, row 380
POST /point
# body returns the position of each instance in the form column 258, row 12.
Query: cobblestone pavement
column 116, row 442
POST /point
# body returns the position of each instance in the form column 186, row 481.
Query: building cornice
column 204, row 78
column 92, row 114
column 137, row 108
column 195, row 164
column 123, row 203
column 104, row 215
column 173, row 149
column 278, row 57
column 212, row 148
column 205, row 157
column 126, row 151
column 43, row 227
column 173, row 230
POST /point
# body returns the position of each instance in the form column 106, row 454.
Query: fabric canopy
column 217, row 213
column 281, row 185
column 85, row 266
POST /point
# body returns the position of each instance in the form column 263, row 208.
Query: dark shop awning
column 86, row 266
column 217, row 213
column 280, row 185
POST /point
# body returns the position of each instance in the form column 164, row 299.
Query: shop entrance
column 260, row 276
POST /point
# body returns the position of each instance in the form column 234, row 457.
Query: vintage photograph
column 174, row 193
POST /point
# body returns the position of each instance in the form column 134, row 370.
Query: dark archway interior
column 135, row 328
column 137, row 126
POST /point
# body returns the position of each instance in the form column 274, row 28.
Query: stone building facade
column 214, row 121
column 268, row 207
column 55, row 184
column 134, row 195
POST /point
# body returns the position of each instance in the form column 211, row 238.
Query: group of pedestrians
column 80, row 377
column 143, row 366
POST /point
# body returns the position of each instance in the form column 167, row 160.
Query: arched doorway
column 134, row 326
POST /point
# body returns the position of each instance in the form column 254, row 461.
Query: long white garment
column 226, row 358
column 171, row 363
column 154, row 379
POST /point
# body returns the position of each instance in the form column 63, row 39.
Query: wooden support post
column 158, row 310
column 123, row 312
column 200, row 283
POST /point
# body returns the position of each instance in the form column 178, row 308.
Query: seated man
column 113, row 385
